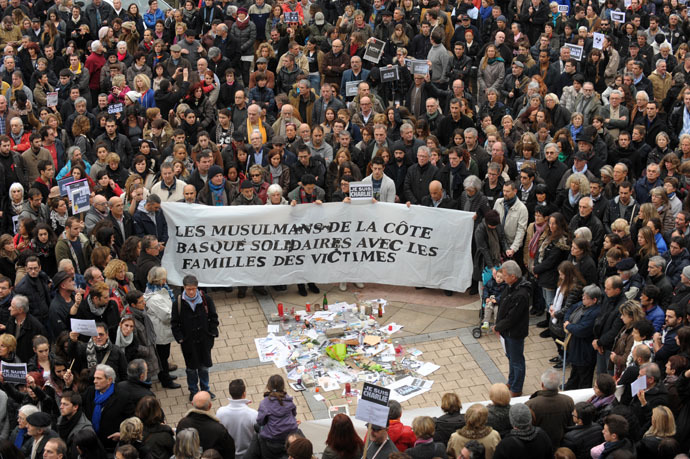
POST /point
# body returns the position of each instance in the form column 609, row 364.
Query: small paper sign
column 84, row 327
column 597, row 40
column 361, row 191
column 14, row 373
column 563, row 9
column 292, row 16
column 389, row 74
column 638, row 385
column 373, row 405
column 575, row 51
column 62, row 184
column 351, row 88
column 79, row 195
column 114, row 108
column 52, row 99
column 420, row 67
column 15, row 224
column 618, row 17
column 374, row 50
column 627, row 3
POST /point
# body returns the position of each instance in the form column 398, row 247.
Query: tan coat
column 490, row 441
column 660, row 85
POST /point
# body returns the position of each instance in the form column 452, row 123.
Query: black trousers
column 163, row 351
column 580, row 377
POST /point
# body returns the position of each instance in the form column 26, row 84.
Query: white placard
column 563, row 9
column 114, row 108
column 373, row 405
column 52, row 99
column 84, row 327
column 361, row 191
column 351, row 88
column 575, row 51
column 618, row 17
column 250, row 245
column 597, row 40
column 638, row 385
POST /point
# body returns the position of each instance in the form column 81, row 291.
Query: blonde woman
column 119, row 280
column 663, row 427
column 142, row 85
column 576, row 187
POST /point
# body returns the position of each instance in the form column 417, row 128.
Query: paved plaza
column 438, row 325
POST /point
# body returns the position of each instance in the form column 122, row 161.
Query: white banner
column 271, row 245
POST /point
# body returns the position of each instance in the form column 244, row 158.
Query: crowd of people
column 564, row 127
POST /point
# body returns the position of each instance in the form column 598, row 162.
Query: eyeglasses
column 255, row 175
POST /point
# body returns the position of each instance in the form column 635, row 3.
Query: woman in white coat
column 159, row 303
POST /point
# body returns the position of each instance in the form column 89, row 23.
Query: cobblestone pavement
column 437, row 325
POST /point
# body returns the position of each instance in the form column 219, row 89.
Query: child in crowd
column 491, row 296
column 277, row 412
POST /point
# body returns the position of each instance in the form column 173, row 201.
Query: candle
column 280, row 310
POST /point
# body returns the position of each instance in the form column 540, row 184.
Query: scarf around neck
column 92, row 348
column 99, row 400
column 123, row 341
column 193, row 302
column 276, row 172
column 218, row 192
column 95, row 310
column 534, row 242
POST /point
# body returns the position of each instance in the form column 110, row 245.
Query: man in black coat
column 307, row 165
column 585, row 434
column 35, row 286
column 135, row 387
column 608, row 323
column 212, row 434
column 194, row 325
column 647, row 399
column 148, row 258
column 419, row 176
column 396, row 169
column 586, row 217
column 550, row 169
column 122, row 221
column 437, row 197
column 104, row 406
column 453, row 174
column 38, row 427
column 24, row 327
column 512, row 322
column 166, row 98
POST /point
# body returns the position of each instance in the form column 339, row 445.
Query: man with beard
column 72, row 420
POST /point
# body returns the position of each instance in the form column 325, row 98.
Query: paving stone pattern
column 437, row 325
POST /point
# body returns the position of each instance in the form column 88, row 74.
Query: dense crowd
column 563, row 127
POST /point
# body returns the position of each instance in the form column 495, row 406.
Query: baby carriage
column 490, row 291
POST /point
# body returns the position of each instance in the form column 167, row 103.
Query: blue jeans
column 315, row 81
column 516, row 363
column 196, row 378
column 603, row 362
column 548, row 294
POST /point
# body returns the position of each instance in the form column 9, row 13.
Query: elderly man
column 615, row 114
column 97, row 212
column 104, row 406
column 419, row 176
column 354, row 73
column 212, row 434
column 644, row 185
column 38, row 428
column 122, row 221
column 552, row 411
column 380, row 445
column 661, row 80
column 365, row 116
column 335, row 62
column 24, row 327
column 408, row 143
column 432, row 115
column 608, row 322
column 286, row 117
column 150, row 220
column 656, row 394
column 514, row 218
column 656, row 276
column 438, row 198
column 512, row 323
column 586, row 217
column 190, row 195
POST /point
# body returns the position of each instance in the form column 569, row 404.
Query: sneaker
column 485, row 326
column 359, row 285
column 342, row 286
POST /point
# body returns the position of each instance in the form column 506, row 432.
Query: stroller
column 491, row 290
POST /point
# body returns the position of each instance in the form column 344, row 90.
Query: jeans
column 548, row 294
column 603, row 362
column 516, row 363
column 315, row 82
column 196, row 378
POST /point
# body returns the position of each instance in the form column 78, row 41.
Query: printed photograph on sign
column 292, row 16
column 597, row 40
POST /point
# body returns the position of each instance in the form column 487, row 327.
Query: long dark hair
column 342, row 438
column 276, row 388
column 89, row 445
column 561, row 227
column 571, row 277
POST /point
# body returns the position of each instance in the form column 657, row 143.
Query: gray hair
column 107, row 370
column 471, row 131
column 472, row 181
column 551, row 379
column 222, row 27
column 616, row 92
column 552, row 96
column 136, row 368
column 652, row 371
column 492, row 90
column 587, row 201
column 273, row 189
column 660, row 61
column 305, row 82
column 658, row 261
column 533, row 85
column 71, row 150
column 187, row 443
column 494, row 167
column 22, row 302
column 583, row 232
column 592, row 291
column 17, row 186
column 644, row 95
column 64, row 263
column 157, row 275
column 403, row 127
column 511, row 267
column 79, row 100
column 552, row 145
column 213, row 51
column 424, row 149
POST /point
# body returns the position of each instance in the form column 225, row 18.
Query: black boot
column 241, row 292
column 313, row 288
column 302, row 289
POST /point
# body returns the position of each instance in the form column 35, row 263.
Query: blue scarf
column 193, row 302
column 155, row 288
column 573, row 199
column 100, row 399
column 19, row 439
column 217, row 191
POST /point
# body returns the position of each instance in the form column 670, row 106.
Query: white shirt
column 238, row 419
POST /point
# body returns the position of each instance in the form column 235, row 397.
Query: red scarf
column 121, row 57
column 242, row 24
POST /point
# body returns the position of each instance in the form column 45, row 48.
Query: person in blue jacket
column 153, row 14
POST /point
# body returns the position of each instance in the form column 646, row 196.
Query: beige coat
column 490, row 441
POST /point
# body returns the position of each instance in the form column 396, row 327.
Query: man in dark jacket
column 165, row 98
column 24, row 327
column 550, row 169
column 437, row 197
column 656, row 276
column 71, row 421
column 151, row 221
column 647, row 399
column 525, row 440
column 677, row 258
column 212, row 434
column 123, row 224
column 586, row 217
column 419, row 176
column 553, row 412
column 148, row 258
column 584, row 435
column 512, row 322
column 608, row 323
column 194, row 325
column 38, row 427
column 135, row 387
column 36, row 287
column 307, row 165
column 615, row 433
column 104, row 406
